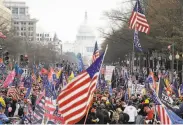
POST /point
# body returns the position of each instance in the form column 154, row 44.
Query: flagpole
column 133, row 55
column 91, row 97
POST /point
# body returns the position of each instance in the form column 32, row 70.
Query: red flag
column 44, row 71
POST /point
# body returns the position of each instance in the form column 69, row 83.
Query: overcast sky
column 65, row 16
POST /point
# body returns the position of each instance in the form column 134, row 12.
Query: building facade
column 5, row 14
column 45, row 36
column 85, row 41
column 23, row 25
column 49, row 38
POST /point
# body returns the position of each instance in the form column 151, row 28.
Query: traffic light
column 26, row 60
column 6, row 57
column 21, row 59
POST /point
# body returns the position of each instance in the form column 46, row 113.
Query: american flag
column 49, row 106
column 51, row 111
column 75, row 99
column 95, row 53
column 163, row 115
column 38, row 114
column 160, row 108
column 138, row 20
column 13, row 92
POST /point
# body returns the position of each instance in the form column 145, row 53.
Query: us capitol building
column 85, row 41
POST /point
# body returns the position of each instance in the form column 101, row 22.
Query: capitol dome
column 85, row 31
column 85, row 41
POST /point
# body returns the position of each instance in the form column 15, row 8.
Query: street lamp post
column 177, row 58
column 182, row 68
column 173, row 57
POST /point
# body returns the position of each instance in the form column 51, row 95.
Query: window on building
column 22, row 11
column 17, row 33
column 22, row 34
column 15, row 10
column 31, row 33
column 50, row 39
column 31, row 28
column 22, row 28
column 37, row 34
column 30, row 23
column 37, row 39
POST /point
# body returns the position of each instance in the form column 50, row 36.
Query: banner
column 166, row 100
column 108, row 73
column 139, row 88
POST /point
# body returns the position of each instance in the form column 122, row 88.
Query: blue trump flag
column 137, row 41
column 28, row 92
column 175, row 119
column 18, row 70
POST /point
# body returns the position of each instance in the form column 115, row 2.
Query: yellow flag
column 167, row 83
column 58, row 74
column 39, row 79
column 71, row 76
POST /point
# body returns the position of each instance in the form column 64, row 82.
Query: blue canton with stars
column 138, row 8
column 95, row 67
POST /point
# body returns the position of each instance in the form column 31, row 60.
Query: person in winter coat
column 3, row 118
column 92, row 117
column 100, row 115
column 150, row 114
column 132, row 112
column 123, row 117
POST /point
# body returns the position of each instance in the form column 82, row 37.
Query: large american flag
column 95, row 53
column 138, row 20
column 75, row 99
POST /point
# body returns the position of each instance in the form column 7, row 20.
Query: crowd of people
column 119, row 106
